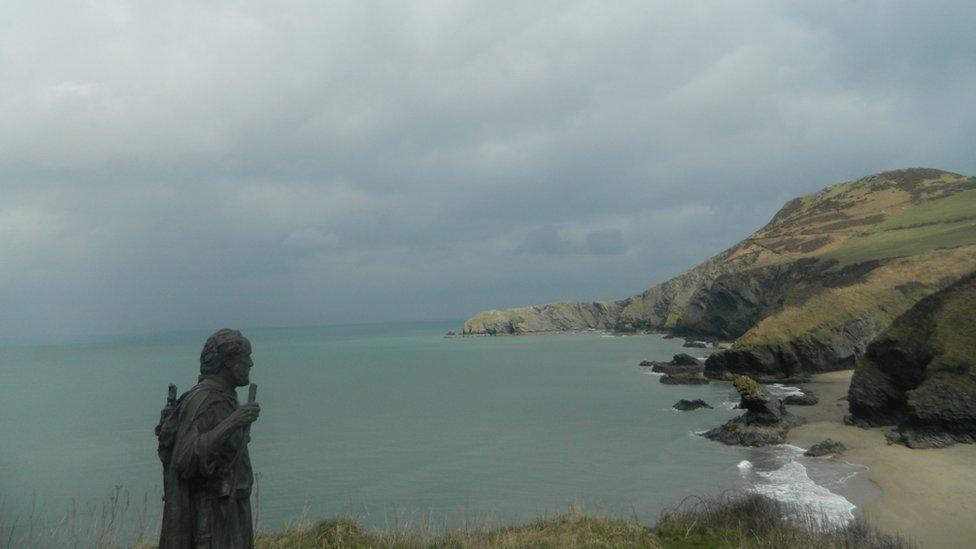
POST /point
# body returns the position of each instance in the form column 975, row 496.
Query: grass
column 943, row 223
column 734, row 520
column 878, row 298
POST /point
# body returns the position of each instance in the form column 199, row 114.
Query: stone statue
column 203, row 440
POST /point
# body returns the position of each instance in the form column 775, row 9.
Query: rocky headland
column 806, row 293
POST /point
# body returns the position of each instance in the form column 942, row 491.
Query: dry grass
column 118, row 521
column 877, row 297
column 734, row 520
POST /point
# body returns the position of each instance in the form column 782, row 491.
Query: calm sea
column 383, row 423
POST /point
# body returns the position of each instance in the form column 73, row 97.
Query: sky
column 194, row 165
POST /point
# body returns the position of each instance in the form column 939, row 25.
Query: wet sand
column 927, row 495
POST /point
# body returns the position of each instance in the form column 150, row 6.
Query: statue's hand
column 246, row 414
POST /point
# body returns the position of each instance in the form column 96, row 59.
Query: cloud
column 184, row 164
column 550, row 240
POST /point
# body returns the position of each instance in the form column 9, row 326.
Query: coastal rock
column 695, row 344
column 684, row 359
column 766, row 420
column 684, row 379
column 688, row 405
column 806, row 399
column 682, row 370
column 807, row 292
column 680, row 364
column 920, row 374
column 825, row 448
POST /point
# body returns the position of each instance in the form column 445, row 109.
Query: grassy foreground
column 743, row 520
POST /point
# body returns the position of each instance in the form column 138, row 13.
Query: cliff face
column 920, row 374
column 808, row 291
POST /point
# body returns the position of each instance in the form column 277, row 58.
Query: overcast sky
column 193, row 165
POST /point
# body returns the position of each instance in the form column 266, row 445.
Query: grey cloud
column 549, row 240
column 606, row 242
column 373, row 161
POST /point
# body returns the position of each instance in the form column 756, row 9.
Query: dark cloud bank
column 184, row 165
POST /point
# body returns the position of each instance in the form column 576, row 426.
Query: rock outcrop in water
column 766, row 420
column 807, row 292
column 689, row 405
column 920, row 374
column 682, row 370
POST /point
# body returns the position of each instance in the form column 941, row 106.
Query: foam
column 781, row 391
column 791, row 484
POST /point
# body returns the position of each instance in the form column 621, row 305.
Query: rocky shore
column 927, row 493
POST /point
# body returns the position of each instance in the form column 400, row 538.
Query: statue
column 203, row 440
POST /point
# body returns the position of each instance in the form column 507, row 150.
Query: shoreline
column 927, row 495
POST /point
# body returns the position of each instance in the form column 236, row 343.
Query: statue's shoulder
column 205, row 393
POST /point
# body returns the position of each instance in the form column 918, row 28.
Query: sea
column 392, row 425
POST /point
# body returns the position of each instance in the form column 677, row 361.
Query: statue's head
column 228, row 353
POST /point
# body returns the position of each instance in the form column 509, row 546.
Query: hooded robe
column 206, row 484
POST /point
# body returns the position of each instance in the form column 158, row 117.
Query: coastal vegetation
column 730, row 521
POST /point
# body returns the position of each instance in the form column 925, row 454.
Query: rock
column 801, row 400
column 669, row 368
column 825, row 448
column 668, row 336
column 766, row 420
column 688, row 405
column 695, row 344
column 739, row 432
column 683, row 359
column 926, row 436
column 680, row 364
column 918, row 375
column 857, row 422
column 684, row 379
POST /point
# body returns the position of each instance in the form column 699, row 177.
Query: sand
column 928, row 496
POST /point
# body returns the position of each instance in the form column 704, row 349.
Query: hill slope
column 808, row 291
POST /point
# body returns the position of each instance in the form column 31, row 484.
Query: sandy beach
column 927, row 495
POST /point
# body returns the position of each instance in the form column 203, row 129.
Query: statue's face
column 240, row 369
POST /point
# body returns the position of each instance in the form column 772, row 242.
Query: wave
column 781, row 391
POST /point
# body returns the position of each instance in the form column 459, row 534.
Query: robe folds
column 206, row 482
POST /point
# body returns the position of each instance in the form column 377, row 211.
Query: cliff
column 919, row 374
column 808, row 291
